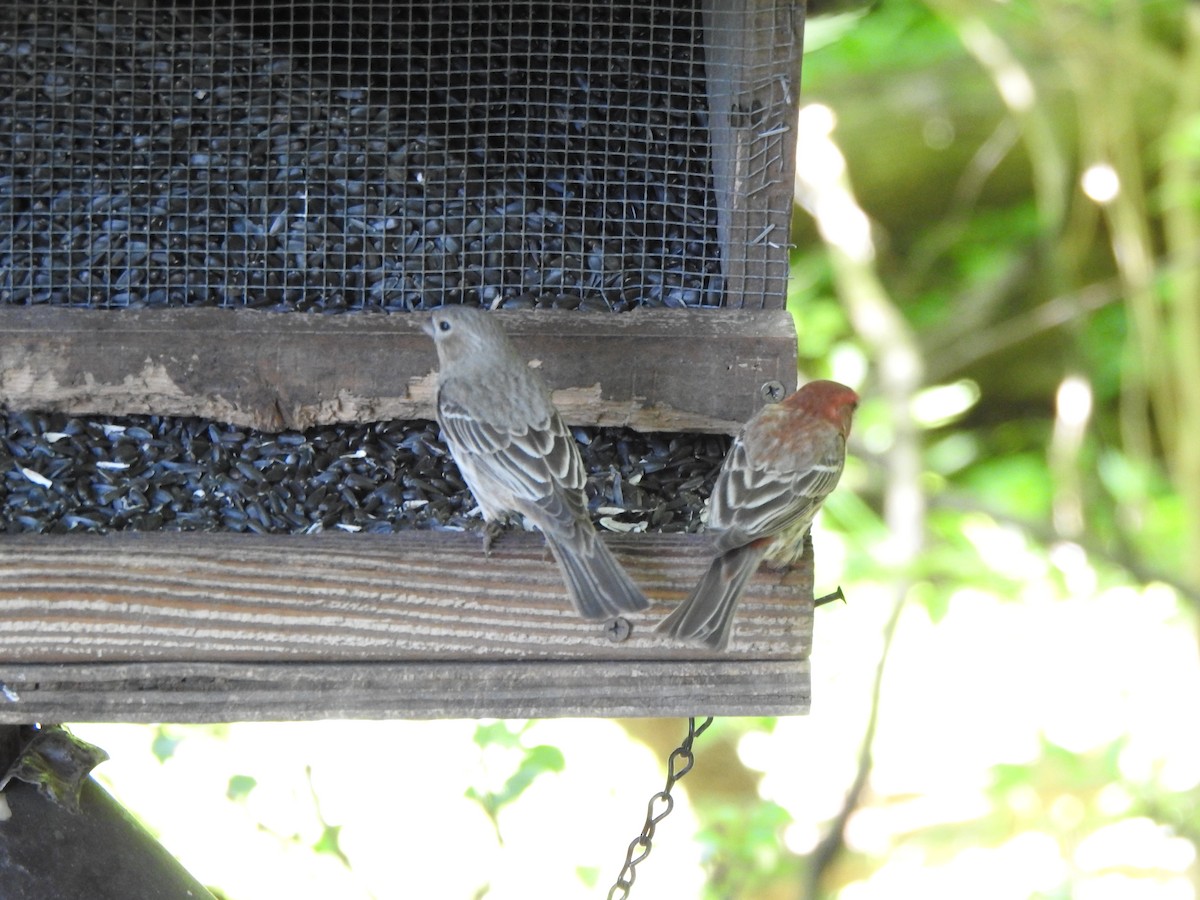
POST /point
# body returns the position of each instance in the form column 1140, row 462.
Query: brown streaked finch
column 781, row 467
column 517, row 456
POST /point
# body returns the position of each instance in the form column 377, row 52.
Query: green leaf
column 499, row 734
column 240, row 786
column 163, row 745
column 536, row 761
column 329, row 844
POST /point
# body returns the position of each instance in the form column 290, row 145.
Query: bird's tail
column 597, row 584
column 706, row 616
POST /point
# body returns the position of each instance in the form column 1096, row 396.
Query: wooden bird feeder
column 181, row 175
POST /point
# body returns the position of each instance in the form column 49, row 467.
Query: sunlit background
column 997, row 244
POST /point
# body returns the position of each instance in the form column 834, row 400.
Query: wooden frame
column 207, row 627
column 652, row 370
column 215, row 627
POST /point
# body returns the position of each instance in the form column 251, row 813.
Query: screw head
column 772, row 391
column 618, row 629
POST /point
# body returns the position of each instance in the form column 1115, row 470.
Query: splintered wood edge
column 651, row 370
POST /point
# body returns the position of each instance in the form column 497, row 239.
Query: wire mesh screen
column 358, row 155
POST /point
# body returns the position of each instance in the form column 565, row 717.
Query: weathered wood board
column 651, row 370
column 129, row 626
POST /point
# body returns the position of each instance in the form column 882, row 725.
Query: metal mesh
column 360, row 155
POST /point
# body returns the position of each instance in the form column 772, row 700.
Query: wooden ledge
column 207, row 627
column 651, row 370
column 230, row 692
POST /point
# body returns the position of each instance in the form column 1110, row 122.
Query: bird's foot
column 493, row 530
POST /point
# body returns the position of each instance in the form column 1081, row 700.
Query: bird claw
column 492, row 531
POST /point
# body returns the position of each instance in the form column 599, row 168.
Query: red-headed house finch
column 781, row 467
column 517, row 456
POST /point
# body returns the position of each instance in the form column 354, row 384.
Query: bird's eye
column 444, row 325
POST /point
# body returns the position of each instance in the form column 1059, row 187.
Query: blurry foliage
column 521, row 766
column 240, row 787
column 328, row 840
column 164, row 743
column 967, row 128
column 973, row 244
column 743, row 853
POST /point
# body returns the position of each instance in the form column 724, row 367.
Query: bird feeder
column 208, row 208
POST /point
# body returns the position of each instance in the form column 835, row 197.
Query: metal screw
column 829, row 598
column 772, row 391
column 618, row 629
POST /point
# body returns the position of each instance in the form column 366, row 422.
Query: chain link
column 678, row 764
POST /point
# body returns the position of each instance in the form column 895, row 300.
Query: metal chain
column 678, row 764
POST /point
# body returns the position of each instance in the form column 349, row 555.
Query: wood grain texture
column 415, row 596
column 227, row 692
column 215, row 627
column 652, row 370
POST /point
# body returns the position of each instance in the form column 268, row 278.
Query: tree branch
column 896, row 355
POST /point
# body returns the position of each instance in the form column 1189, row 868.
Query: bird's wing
column 752, row 501
column 539, row 465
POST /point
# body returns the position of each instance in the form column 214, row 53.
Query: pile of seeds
column 338, row 156
column 60, row 474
